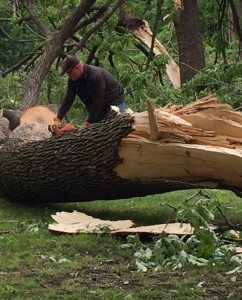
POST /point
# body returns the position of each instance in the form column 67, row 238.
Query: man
column 96, row 88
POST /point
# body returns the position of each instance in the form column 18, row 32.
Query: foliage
column 204, row 247
column 37, row 262
column 225, row 81
column 118, row 54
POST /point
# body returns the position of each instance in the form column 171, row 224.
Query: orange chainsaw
column 61, row 129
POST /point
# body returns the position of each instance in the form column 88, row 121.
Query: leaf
column 200, row 284
column 140, row 266
column 158, row 254
column 143, row 254
column 236, row 270
column 197, row 261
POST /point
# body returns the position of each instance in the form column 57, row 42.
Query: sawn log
column 117, row 158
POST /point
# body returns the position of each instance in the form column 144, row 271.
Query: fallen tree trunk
column 74, row 167
column 118, row 159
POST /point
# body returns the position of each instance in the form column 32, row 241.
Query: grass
column 37, row 264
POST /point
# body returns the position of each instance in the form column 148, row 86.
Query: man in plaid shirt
column 96, row 88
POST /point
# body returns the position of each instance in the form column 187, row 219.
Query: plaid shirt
column 97, row 89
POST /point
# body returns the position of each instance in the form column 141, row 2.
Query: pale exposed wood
column 203, row 122
column 77, row 222
column 199, row 142
column 38, row 114
column 163, row 116
column 209, row 122
column 225, row 114
column 198, row 105
column 144, row 34
column 154, row 134
column 189, row 163
column 179, row 4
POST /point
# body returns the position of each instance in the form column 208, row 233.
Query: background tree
column 190, row 44
column 29, row 28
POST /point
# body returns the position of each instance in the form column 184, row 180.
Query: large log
column 117, row 158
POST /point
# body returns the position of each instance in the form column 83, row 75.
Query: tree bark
column 52, row 51
column 236, row 7
column 189, row 36
column 86, row 165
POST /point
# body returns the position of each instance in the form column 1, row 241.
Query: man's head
column 73, row 67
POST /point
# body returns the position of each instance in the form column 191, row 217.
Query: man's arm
column 67, row 101
column 97, row 95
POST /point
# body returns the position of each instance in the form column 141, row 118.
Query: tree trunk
column 53, row 50
column 236, row 6
column 189, row 36
column 41, row 69
column 69, row 168
column 106, row 161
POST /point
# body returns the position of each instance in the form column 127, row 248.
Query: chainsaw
column 61, row 129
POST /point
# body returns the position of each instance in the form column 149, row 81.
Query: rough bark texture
column 4, row 127
column 34, row 82
column 191, row 52
column 77, row 166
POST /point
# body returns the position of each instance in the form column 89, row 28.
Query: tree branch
column 93, row 18
column 157, row 18
column 28, row 4
column 69, row 25
column 18, row 65
column 91, row 55
column 52, row 51
column 96, row 26
column 31, row 61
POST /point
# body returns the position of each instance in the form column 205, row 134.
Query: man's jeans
column 122, row 108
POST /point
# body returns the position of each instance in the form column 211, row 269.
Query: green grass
column 38, row 264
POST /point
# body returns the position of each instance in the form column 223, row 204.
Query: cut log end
column 38, row 114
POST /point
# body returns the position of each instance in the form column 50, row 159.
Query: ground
column 38, row 264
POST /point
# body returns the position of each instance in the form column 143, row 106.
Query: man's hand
column 86, row 124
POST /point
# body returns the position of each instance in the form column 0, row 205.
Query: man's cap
column 69, row 63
